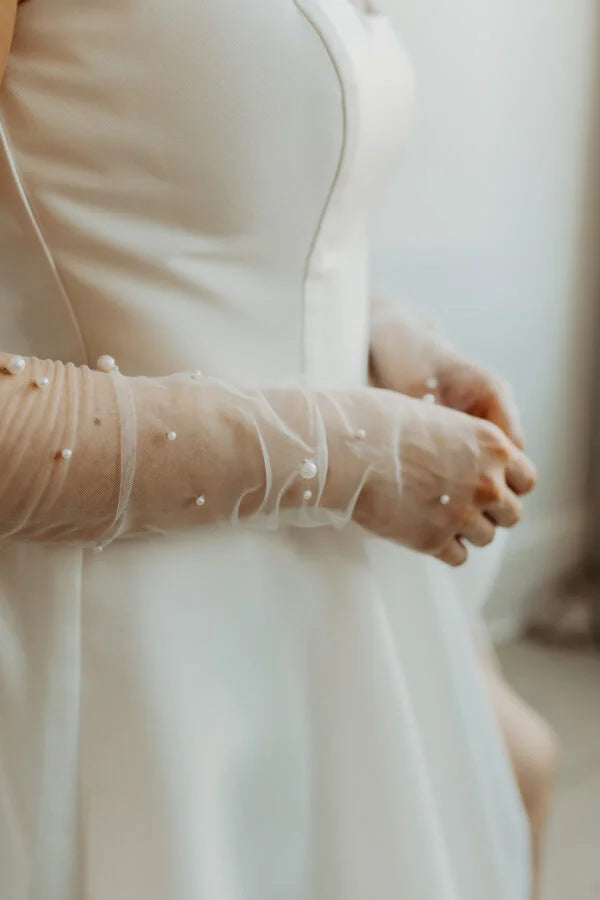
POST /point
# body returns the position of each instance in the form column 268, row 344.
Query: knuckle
column 487, row 491
column 501, row 452
column 489, row 432
column 429, row 543
column 469, row 517
column 494, row 441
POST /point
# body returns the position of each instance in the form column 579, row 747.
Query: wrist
column 404, row 355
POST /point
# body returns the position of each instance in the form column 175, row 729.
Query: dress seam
column 19, row 182
column 336, row 177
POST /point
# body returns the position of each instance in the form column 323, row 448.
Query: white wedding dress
column 229, row 714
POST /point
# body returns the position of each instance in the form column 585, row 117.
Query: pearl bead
column 106, row 363
column 360, row 434
column 201, row 500
column 429, row 398
column 445, row 499
column 16, row 365
column 67, row 453
column 197, row 374
column 99, row 547
column 308, row 469
column 171, row 435
column 431, row 384
column 42, row 382
column 307, row 495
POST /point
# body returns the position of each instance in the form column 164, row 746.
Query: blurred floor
column 565, row 687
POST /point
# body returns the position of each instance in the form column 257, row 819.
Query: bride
column 225, row 672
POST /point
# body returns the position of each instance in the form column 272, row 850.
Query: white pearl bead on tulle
column 429, row 398
column 360, row 433
column 308, row 469
column 201, row 500
column 431, row 383
column 106, row 363
column 445, row 499
column 171, row 435
column 16, row 365
column 42, row 382
column 67, row 453
column 307, row 495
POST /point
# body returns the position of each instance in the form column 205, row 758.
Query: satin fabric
column 227, row 715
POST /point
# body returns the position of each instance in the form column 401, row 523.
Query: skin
column 469, row 388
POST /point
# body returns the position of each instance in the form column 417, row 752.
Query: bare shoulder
column 8, row 10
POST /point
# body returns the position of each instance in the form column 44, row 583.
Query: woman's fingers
column 521, row 475
column 498, row 496
column 480, row 532
column 503, row 412
column 454, row 553
column 506, row 511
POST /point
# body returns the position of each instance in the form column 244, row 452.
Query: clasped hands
column 473, row 412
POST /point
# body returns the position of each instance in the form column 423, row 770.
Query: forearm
column 88, row 456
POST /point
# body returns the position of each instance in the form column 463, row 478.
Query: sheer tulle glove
column 89, row 456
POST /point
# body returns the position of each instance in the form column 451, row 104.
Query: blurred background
column 493, row 226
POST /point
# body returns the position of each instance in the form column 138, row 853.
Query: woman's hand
column 96, row 455
column 429, row 477
column 409, row 357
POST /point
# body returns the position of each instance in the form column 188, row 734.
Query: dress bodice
column 190, row 182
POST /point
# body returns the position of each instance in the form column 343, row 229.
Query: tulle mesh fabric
column 90, row 456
